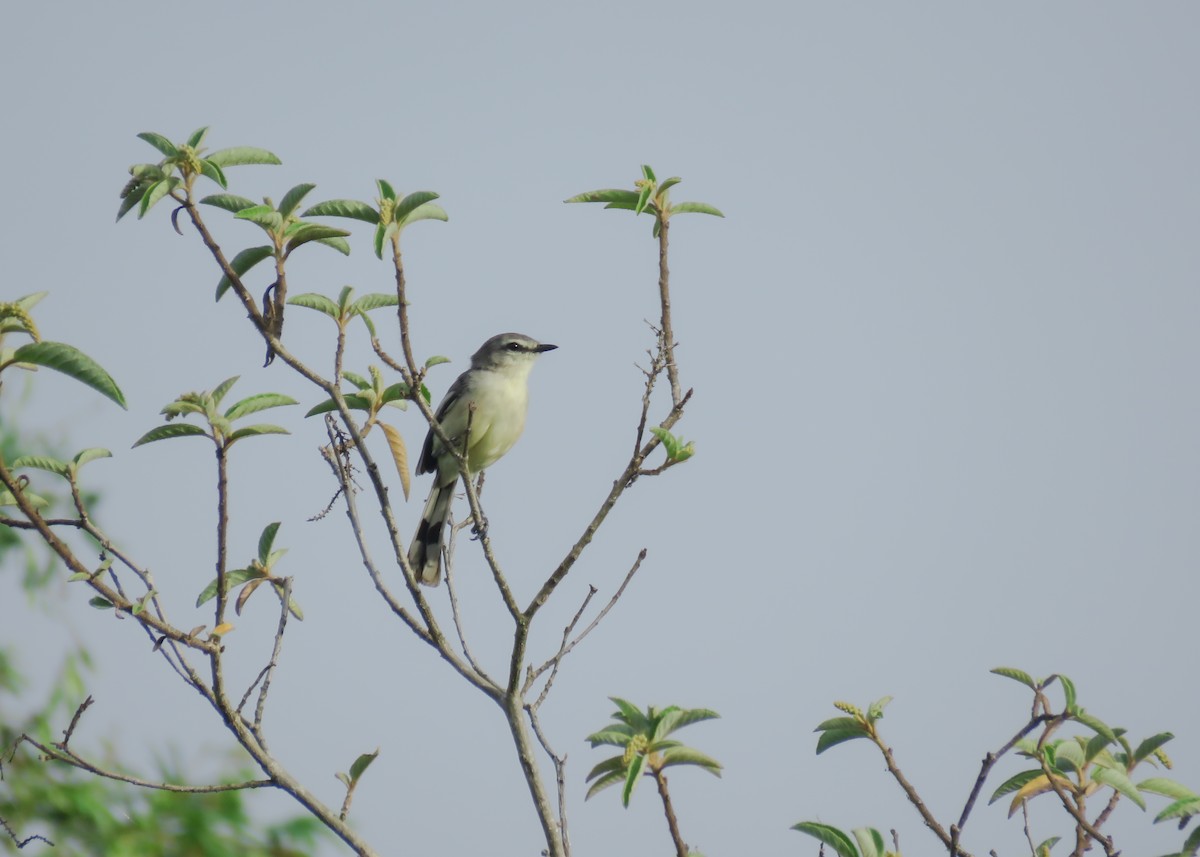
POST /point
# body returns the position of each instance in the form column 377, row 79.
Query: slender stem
column 664, row 297
column 915, row 799
column 514, row 714
column 681, row 849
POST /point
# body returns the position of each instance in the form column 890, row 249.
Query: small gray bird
column 497, row 385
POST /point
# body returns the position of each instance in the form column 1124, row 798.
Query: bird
column 496, row 384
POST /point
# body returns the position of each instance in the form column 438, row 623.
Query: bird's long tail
column 425, row 552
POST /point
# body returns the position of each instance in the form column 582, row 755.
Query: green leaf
column 1068, row 756
column 383, row 234
column 344, row 208
column 228, row 201
column 632, row 775
column 197, row 137
column 1016, row 675
column 696, row 208
column 90, row 454
column 614, row 764
column 664, row 722
column 428, row 211
column 833, row 737
column 320, row 303
column 242, row 263
column 870, row 841
column 831, row 836
column 131, row 201
column 239, row 155
column 263, row 215
column 604, row 782
column 1120, row 782
column 233, row 579
column 1068, row 687
column 1180, row 808
column 1150, row 745
column 617, row 735
column 607, row 195
column 692, row 715
column 436, row 360
column 385, row 190
column 667, row 184
column 213, row 172
column 159, row 142
column 355, row 403
column 256, row 430
column 839, row 723
column 688, row 756
column 258, row 402
column 1014, row 784
column 154, row 193
column 224, row 387
column 266, row 540
column 374, row 301
column 1043, row 849
column 875, row 711
column 1095, row 724
column 292, row 199
column 309, row 232
column 71, row 362
column 632, row 715
column 361, row 764
column 648, row 174
column 34, row 500
column 1167, row 788
column 339, row 244
column 42, row 462
column 643, row 198
column 1095, row 746
column 171, row 430
column 100, row 603
column 410, row 203
column 394, row 392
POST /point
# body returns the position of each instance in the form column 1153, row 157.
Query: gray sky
column 943, row 348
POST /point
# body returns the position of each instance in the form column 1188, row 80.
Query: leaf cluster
column 220, row 424
column 646, row 749
column 181, row 165
column 15, row 317
column 390, row 214
column 649, row 195
column 260, row 570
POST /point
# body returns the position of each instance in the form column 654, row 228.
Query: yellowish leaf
column 245, row 594
column 1035, row 787
column 399, row 455
column 223, row 628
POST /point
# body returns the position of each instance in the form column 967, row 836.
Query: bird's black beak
column 544, row 347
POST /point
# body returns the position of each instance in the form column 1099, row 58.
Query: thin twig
column 21, row 843
column 560, row 775
column 284, row 591
column 915, row 799
column 567, row 647
column 989, row 762
column 60, row 753
column 448, row 566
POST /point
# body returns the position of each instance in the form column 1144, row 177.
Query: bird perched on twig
column 490, row 398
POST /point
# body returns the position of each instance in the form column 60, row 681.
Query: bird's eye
column 514, row 346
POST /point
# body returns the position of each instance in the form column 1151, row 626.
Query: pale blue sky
column 943, row 347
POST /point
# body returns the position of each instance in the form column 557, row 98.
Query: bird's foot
column 479, row 529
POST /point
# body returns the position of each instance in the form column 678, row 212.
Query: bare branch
column 21, row 843
column 567, row 647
